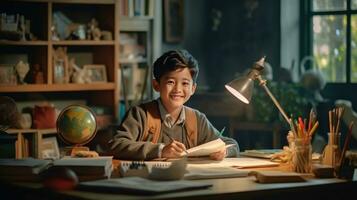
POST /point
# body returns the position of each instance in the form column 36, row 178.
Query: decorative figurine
column 23, row 28
column 78, row 75
column 54, row 33
column 22, row 69
column 60, row 63
column 94, row 32
column 37, row 74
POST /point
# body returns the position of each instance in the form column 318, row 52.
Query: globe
column 76, row 125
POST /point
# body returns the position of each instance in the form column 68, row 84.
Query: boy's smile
column 175, row 89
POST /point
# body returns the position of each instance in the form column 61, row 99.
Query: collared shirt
column 167, row 118
column 169, row 121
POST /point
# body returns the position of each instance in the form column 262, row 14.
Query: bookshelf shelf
column 58, row 87
column 83, row 43
column 24, row 43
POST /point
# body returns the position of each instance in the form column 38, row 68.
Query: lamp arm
column 277, row 104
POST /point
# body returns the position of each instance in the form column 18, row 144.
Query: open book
column 206, row 149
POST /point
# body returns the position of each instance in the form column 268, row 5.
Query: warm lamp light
column 242, row 87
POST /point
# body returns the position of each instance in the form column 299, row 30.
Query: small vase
column 22, row 69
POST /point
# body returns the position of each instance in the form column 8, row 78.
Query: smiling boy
column 175, row 75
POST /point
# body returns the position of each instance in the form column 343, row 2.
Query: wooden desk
column 228, row 188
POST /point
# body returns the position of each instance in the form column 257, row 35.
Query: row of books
column 133, row 8
column 30, row 169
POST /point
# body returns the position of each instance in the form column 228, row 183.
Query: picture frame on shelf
column 96, row 73
column 49, row 148
column 7, row 75
column 173, row 20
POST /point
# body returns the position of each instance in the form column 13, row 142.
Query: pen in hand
column 172, row 140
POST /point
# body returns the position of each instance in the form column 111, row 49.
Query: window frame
column 307, row 35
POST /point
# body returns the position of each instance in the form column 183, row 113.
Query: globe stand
column 70, row 151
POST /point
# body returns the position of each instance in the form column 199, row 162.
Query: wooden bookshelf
column 41, row 14
column 36, row 135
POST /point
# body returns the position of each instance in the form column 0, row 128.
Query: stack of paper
column 88, row 168
column 198, row 172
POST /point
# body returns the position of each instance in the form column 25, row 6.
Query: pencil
column 172, row 140
column 345, row 146
column 313, row 129
column 310, row 122
column 222, row 131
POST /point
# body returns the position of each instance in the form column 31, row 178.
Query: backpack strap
column 191, row 126
column 153, row 121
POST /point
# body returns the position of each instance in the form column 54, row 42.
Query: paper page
column 201, row 172
column 240, row 162
column 205, row 149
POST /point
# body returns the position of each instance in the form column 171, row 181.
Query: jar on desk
column 302, row 155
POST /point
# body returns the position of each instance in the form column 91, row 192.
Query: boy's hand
column 219, row 155
column 173, row 150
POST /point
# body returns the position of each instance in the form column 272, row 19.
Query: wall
column 245, row 31
column 289, row 55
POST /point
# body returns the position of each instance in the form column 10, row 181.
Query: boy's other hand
column 219, row 155
column 173, row 150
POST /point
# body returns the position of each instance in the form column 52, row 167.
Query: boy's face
column 175, row 88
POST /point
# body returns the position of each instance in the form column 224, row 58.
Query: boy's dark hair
column 173, row 60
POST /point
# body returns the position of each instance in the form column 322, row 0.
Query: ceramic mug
column 26, row 120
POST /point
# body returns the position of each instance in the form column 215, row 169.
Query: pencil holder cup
column 331, row 154
column 301, row 156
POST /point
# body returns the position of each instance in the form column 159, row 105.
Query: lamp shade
column 242, row 88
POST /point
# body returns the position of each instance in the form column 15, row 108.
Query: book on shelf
column 88, row 168
column 206, row 149
column 28, row 169
column 7, row 145
column 133, row 8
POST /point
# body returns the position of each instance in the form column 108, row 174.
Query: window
column 332, row 38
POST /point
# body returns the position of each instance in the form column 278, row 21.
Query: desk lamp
column 242, row 87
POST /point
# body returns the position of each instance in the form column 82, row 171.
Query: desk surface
column 227, row 188
column 242, row 188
